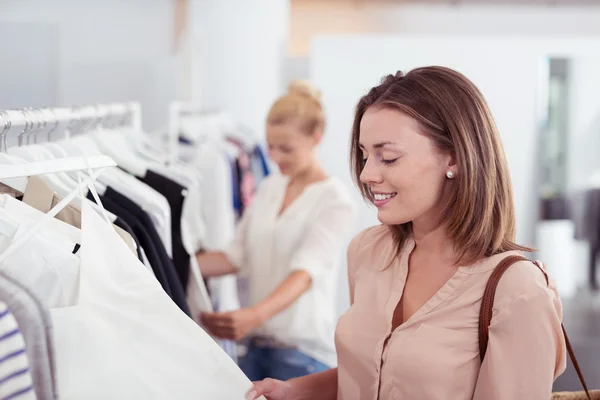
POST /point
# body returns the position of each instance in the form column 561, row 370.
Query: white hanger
column 116, row 145
column 54, row 166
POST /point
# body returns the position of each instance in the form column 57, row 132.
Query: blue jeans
column 283, row 364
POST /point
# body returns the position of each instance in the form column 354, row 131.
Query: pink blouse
column 435, row 353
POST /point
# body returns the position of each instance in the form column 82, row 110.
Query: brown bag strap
column 486, row 310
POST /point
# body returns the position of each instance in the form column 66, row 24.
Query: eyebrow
column 379, row 145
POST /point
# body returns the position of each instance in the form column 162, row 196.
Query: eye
column 388, row 162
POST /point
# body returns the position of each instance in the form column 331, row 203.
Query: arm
column 284, row 295
column 322, row 385
column 526, row 349
column 315, row 258
column 214, row 264
column 235, row 325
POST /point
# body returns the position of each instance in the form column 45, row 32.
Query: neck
column 433, row 242
column 311, row 174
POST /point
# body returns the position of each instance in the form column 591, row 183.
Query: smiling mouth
column 382, row 197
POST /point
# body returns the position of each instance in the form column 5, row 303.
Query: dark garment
column 125, row 226
column 174, row 193
column 236, row 180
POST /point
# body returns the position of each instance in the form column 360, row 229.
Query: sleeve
column 526, row 349
column 14, row 364
column 235, row 250
column 320, row 249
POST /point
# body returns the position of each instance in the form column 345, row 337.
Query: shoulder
column 524, row 282
column 332, row 195
column 335, row 190
column 271, row 183
column 374, row 247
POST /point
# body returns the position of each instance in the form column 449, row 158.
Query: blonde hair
column 300, row 106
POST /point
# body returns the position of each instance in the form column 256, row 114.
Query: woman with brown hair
column 426, row 152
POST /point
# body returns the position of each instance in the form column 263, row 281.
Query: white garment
column 308, row 236
column 151, row 201
column 52, row 271
column 15, row 377
column 216, row 212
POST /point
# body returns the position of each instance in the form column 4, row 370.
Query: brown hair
column 453, row 113
column 300, row 106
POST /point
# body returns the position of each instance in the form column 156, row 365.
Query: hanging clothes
column 41, row 197
column 15, row 375
column 175, row 195
column 114, row 339
column 144, row 229
column 259, row 165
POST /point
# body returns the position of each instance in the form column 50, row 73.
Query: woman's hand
column 234, row 325
column 272, row 389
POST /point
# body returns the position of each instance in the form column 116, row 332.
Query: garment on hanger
column 152, row 202
column 112, row 343
column 33, row 331
column 41, row 197
column 148, row 243
column 175, row 195
column 120, row 223
column 170, row 274
column 15, row 375
column 260, row 168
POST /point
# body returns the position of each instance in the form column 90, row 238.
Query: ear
column 317, row 136
column 449, row 162
column 452, row 160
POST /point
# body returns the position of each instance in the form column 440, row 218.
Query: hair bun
column 305, row 88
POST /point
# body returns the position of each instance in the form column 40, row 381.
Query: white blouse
column 310, row 236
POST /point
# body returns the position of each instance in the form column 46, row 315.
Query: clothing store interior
column 299, row 199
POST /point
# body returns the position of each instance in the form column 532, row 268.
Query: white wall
column 100, row 51
column 314, row 17
column 238, row 48
column 505, row 69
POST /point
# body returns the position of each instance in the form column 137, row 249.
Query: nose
column 370, row 173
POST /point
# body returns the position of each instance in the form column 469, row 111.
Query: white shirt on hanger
column 215, row 208
column 310, row 236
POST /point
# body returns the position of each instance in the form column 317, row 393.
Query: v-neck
column 401, row 276
column 279, row 213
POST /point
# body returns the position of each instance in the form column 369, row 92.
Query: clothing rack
column 38, row 125
column 178, row 112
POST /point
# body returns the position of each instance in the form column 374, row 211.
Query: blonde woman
column 289, row 244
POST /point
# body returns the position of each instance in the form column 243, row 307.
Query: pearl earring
column 450, row 174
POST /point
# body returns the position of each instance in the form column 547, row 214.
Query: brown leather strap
column 487, row 305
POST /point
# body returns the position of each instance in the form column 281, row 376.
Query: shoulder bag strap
column 487, row 305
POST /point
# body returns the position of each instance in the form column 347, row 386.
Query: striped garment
column 15, row 377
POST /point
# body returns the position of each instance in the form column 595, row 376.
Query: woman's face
column 403, row 169
column 290, row 148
